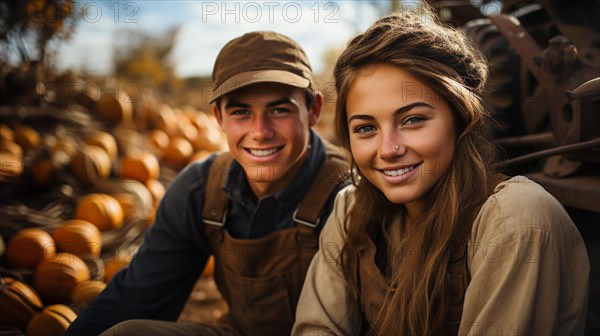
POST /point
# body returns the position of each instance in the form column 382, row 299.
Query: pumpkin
column 102, row 210
column 209, row 268
column 210, row 137
column 127, row 202
column 199, row 155
column 115, row 265
column 86, row 291
column 18, row 303
column 6, row 133
column 55, row 278
column 27, row 137
column 78, row 237
column 140, row 166
column 10, row 166
column 90, row 164
column 52, row 321
column 12, row 148
column 63, row 150
column 135, row 198
column 157, row 190
column 105, row 141
column 115, row 108
column 179, row 152
column 166, row 120
column 28, row 247
column 159, row 139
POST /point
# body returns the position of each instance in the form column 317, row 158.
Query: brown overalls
column 261, row 279
column 373, row 286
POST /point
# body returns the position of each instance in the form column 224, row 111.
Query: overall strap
column 214, row 212
column 333, row 172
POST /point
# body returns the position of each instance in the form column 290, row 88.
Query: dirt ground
column 205, row 303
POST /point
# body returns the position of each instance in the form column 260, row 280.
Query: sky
column 206, row 26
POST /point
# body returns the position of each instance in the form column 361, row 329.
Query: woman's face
column 402, row 133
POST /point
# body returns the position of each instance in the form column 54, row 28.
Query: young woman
column 429, row 239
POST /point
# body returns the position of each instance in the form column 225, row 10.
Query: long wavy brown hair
column 443, row 58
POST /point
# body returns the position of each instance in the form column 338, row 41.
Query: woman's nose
column 391, row 146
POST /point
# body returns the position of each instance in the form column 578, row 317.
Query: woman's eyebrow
column 397, row 113
column 409, row 107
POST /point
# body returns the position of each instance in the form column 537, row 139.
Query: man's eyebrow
column 282, row 101
column 233, row 104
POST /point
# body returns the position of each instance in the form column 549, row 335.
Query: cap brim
column 260, row 76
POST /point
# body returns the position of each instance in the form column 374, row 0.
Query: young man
column 258, row 209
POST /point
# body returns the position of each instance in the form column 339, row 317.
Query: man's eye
column 240, row 112
column 364, row 129
column 280, row 110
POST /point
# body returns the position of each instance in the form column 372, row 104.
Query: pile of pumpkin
column 59, row 257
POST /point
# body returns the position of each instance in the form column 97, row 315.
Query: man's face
column 267, row 127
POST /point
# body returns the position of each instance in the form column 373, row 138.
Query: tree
column 33, row 23
column 144, row 58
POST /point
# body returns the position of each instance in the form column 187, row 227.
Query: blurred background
column 102, row 103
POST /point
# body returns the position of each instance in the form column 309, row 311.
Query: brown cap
column 258, row 57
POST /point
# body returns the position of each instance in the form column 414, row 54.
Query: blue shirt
column 158, row 282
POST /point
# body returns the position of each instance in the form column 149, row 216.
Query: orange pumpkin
column 159, row 139
column 29, row 247
column 140, row 166
column 52, row 321
column 90, row 164
column 115, row 265
column 157, row 190
column 167, row 120
column 179, row 152
column 27, row 137
column 102, row 210
column 11, row 167
column 18, row 303
column 78, row 237
column 12, row 148
column 115, row 108
column 209, row 268
column 55, row 278
column 63, row 150
column 86, row 291
column 105, row 141
column 6, row 133
column 199, row 155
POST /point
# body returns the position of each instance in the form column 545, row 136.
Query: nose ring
column 396, row 147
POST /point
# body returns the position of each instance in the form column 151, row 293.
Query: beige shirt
column 528, row 263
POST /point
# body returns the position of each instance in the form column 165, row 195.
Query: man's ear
column 218, row 115
column 315, row 110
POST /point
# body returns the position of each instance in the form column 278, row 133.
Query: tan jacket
column 528, row 263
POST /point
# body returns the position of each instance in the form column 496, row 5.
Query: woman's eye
column 364, row 129
column 413, row 120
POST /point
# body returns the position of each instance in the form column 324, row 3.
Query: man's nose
column 262, row 128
